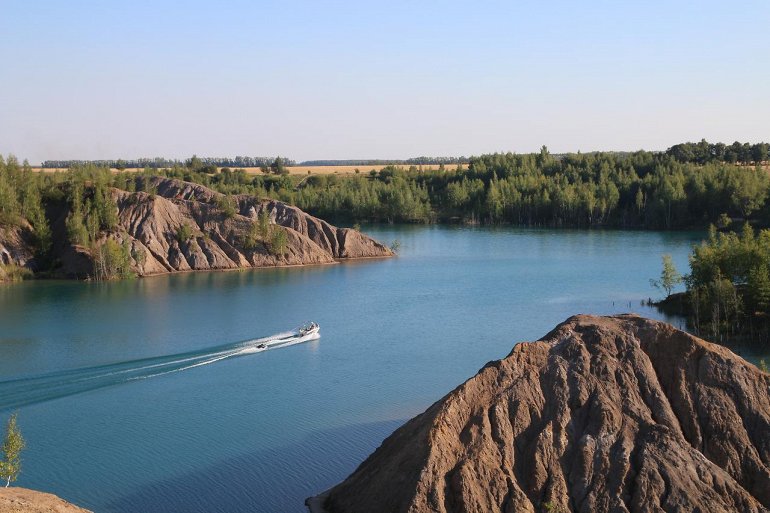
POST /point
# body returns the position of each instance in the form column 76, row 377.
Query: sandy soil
column 21, row 500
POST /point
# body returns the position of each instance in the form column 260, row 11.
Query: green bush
column 13, row 272
column 227, row 205
column 112, row 260
column 184, row 233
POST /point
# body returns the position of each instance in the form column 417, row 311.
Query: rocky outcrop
column 604, row 414
column 16, row 244
column 338, row 242
column 22, row 500
column 183, row 227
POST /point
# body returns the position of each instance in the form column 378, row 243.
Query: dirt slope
column 604, row 414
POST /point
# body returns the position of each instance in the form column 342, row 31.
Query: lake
column 137, row 396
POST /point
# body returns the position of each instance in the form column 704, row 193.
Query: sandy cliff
column 618, row 414
column 21, row 500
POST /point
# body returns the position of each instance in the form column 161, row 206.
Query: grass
column 13, row 272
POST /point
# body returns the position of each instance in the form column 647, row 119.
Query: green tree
column 77, row 233
column 112, row 260
column 669, row 276
column 279, row 241
column 278, row 167
column 13, row 444
column 263, row 224
column 759, row 288
column 9, row 205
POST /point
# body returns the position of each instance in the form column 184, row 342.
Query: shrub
column 184, row 233
column 13, row 272
column 227, row 205
column 112, row 260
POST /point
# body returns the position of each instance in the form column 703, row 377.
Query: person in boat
column 308, row 328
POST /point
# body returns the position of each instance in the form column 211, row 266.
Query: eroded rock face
column 604, row 414
column 339, row 242
column 151, row 223
column 16, row 244
column 22, row 500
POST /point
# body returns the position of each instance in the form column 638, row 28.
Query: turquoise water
column 137, row 396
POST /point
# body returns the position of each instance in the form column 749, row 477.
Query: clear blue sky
column 326, row 80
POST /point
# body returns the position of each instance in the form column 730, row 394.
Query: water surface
column 262, row 431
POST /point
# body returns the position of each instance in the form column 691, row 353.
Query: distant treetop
column 160, row 163
column 704, row 152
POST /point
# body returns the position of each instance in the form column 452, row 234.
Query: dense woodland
column 635, row 190
column 29, row 200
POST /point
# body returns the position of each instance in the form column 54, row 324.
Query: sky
column 364, row 79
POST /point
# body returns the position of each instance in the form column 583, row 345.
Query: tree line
column 635, row 190
column 159, row 162
column 704, row 152
column 414, row 161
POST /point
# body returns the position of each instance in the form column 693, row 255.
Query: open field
column 305, row 170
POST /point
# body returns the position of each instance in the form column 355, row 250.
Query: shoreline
column 336, row 261
column 315, row 504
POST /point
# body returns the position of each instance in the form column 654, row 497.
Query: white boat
column 308, row 329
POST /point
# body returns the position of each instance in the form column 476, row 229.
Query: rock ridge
column 603, row 414
column 151, row 224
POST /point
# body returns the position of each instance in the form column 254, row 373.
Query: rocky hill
column 21, row 500
column 603, row 414
column 183, row 227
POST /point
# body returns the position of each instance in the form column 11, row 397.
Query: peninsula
column 170, row 225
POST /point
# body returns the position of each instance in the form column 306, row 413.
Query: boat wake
column 19, row 392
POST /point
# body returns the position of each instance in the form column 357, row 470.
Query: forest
column 651, row 190
column 631, row 190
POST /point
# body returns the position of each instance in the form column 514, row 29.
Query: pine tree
column 759, row 288
column 279, row 241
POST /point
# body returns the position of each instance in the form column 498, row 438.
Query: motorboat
column 262, row 346
column 308, row 329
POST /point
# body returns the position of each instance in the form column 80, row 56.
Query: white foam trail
column 30, row 390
